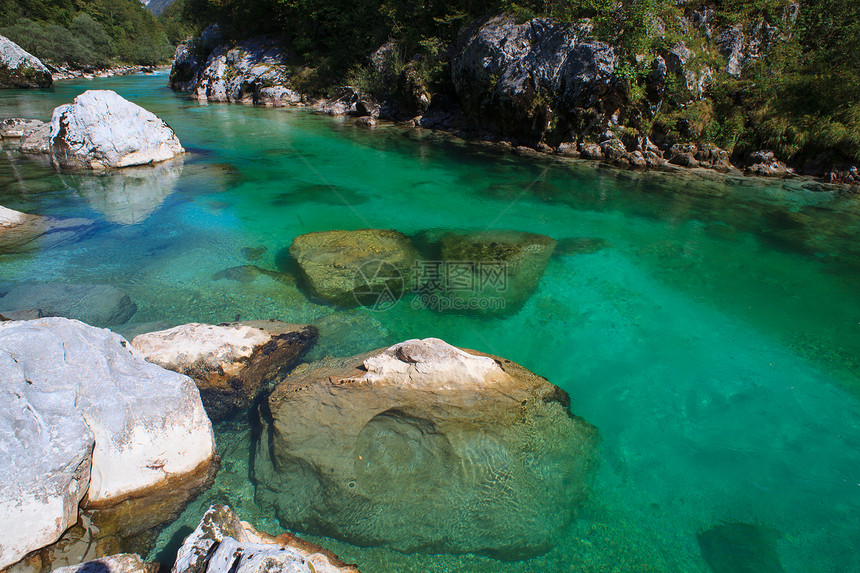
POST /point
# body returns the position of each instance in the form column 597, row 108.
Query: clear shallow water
column 714, row 340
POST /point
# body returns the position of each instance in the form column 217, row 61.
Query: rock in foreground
column 20, row 69
column 231, row 363
column 82, row 414
column 424, row 447
column 101, row 130
column 224, row 544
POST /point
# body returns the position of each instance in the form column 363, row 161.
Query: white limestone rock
column 21, row 69
column 101, row 130
column 80, row 408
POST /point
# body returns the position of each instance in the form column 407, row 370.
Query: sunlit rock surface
column 21, row 69
column 83, row 414
column 100, row 129
column 424, row 447
column 222, row 543
column 231, row 363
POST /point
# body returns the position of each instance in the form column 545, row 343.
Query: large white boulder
column 21, row 69
column 101, row 130
column 80, row 408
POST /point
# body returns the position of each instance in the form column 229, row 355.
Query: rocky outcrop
column 222, row 543
column 20, row 232
column 20, row 69
column 82, row 414
column 252, row 72
column 764, row 164
column 232, row 364
column 121, row 563
column 353, row 268
column 537, row 80
column 424, row 447
column 96, row 305
column 101, row 130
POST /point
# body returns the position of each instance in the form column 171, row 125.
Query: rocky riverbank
column 540, row 85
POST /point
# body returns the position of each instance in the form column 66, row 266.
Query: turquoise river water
column 711, row 331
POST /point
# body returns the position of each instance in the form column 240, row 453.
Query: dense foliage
column 86, row 33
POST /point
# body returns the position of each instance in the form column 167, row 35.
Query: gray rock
column 15, row 127
column 97, row 305
column 591, row 151
column 121, row 563
column 20, row 69
column 36, row 140
column 521, row 77
column 83, row 414
column 678, row 56
column 232, row 364
column 222, row 543
column 424, row 447
column 252, row 72
column 731, row 45
column 47, row 450
column 100, row 130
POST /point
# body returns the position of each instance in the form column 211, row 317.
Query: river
column 708, row 326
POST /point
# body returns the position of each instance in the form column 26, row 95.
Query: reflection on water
column 709, row 327
column 130, row 195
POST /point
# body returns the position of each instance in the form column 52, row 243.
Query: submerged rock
column 96, row 305
column 20, row 232
column 500, row 269
column 222, row 543
column 353, row 268
column 20, row 69
column 424, row 447
column 231, row 363
column 85, row 415
column 101, row 130
column 740, row 548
